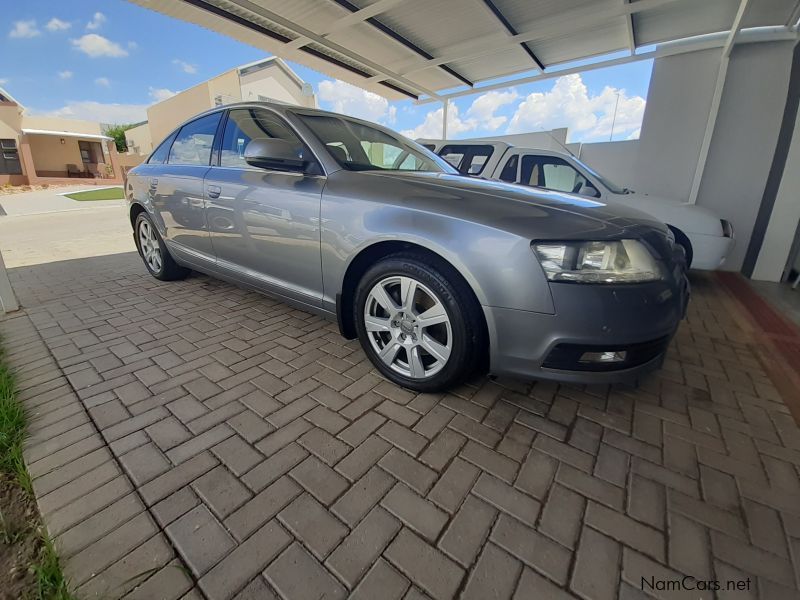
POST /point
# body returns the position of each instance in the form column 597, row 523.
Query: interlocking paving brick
column 423, row 564
column 532, row 548
column 200, row 538
column 237, row 455
column 689, row 550
column 506, row 498
column 312, row 524
column 626, row 530
column 221, row 491
column 454, row 484
column 359, row 550
column 275, row 466
column 362, row 496
column 415, row 512
column 468, row 530
column 323, row 445
column 316, row 584
column 595, row 574
column 175, row 505
column 362, row 458
column 250, row 557
column 382, row 581
column 408, row 470
column 176, row 478
column 262, row 507
column 199, row 443
column 319, row 479
column 144, row 463
column 562, row 515
column 494, row 576
column 98, row 525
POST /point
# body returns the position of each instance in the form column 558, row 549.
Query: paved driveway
column 197, row 425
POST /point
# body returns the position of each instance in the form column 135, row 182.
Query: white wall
column 617, row 161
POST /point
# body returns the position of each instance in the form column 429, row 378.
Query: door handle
column 213, row 191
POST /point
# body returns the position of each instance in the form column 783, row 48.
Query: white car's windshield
column 360, row 147
column 610, row 185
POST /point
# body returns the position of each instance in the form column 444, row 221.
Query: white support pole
column 722, row 74
column 445, row 107
column 8, row 302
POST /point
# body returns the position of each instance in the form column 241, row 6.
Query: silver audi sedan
column 440, row 276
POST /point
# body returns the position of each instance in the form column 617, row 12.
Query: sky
column 108, row 60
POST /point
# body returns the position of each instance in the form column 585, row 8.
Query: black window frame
column 9, row 146
column 542, row 159
column 515, row 159
column 220, row 115
column 314, row 167
column 469, row 152
column 167, row 143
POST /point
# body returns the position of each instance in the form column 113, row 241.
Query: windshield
column 360, row 147
column 609, row 185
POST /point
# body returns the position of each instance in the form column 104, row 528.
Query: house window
column 86, row 152
column 9, row 158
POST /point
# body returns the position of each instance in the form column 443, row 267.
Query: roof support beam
column 355, row 18
column 794, row 18
column 722, row 75
column 512, row 31
column 402, row 40
column 703, row 43
column 630, row 30
column 568, row 21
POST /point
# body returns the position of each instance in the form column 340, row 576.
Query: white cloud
column 99, row 111
column 97, row 21
column 569, row 104
column 185, row 66
column 3, row 80
column 56, row 24
column 479, row 116
column 351, row 100
column 102, row 81
column 65, row 74
column 95, row 46
column 634, row 135
column 24, row 29
column 159, row 94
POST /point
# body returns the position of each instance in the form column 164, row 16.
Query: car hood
column 528, row 212
column 687, row 217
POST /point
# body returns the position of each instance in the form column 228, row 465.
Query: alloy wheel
column 148, row 242
column 408, row 327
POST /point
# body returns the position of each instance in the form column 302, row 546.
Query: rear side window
column 509, row 172
column 159, row 157
column 194, row 142
column 468, row 159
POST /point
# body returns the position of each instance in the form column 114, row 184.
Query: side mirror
column 589, row 191
column 271, row 153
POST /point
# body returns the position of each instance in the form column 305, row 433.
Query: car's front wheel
column 154, row 252
column 418, row 325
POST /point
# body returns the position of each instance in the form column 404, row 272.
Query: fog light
column 604, row 357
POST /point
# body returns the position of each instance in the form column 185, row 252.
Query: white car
column 706, row 237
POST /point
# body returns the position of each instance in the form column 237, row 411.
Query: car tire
column 422, row 353
column 153, row 251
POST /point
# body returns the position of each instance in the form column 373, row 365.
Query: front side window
column 468, row 159
column 360, row 147
column 9, row 158
column 551, row 173
column 251, row 123
column 193, row 144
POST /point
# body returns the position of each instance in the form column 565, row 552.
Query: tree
column 118, row 133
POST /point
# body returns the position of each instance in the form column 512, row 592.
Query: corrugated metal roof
column 412, row 48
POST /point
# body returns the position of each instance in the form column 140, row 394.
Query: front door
column 178, row 189
column 264, row 223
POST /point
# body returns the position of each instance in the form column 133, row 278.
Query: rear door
column 265, row 223
column 177, row 189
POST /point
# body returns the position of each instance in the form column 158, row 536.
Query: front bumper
column 640, row 319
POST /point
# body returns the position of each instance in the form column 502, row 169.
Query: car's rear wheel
column 418, row 326
column 154, row 252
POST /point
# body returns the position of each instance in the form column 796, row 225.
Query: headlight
column 624, row 261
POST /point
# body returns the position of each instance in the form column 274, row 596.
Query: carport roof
column 435, row 48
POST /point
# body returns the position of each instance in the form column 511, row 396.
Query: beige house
column 267, row 79
column 38, row 149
